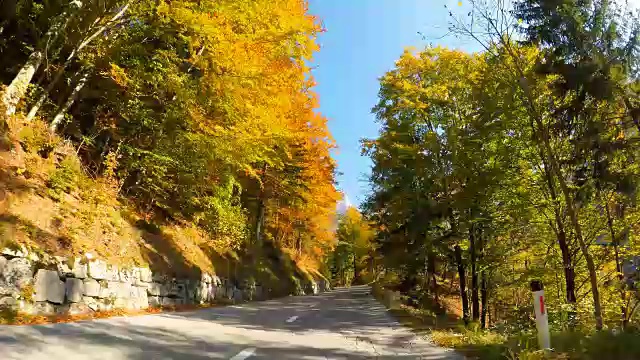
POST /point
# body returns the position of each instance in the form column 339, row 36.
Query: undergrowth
column 52, row 203
column 579, row 345
column 493, row 344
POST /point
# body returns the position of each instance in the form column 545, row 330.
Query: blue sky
column 362, row 42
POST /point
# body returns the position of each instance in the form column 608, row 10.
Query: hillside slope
column 184, row 135
column 49, row 204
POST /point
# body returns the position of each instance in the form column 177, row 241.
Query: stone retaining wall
column 47, row 285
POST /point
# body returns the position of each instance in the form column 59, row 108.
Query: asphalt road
column 342, row 324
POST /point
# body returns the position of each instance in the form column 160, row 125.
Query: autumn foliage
column 199, row 112
column 513, row 164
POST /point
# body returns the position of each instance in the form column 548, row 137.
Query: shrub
column 26, row 293
column 68, row 176
column 482, row 344
column 35, row 137
column 608, row 345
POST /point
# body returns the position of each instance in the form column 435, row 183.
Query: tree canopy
column 202, row 111
column 515, row 163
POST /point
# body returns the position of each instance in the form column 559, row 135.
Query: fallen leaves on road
column 10, row 317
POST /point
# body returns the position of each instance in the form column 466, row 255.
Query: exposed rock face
column 8, row 301
column 79, row 269
column 78, row 286
column 22, row 252
column 48, row 287
column 167, row 301
column 157, row 289
column 73, row 267
column 74, row 289
column 8, row 289
column 18, row 272
column 97, row 269
column 142, row 276
column 43, row 308
column 91, row 288
column 155, row 301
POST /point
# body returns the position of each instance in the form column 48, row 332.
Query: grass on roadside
column 579, row 345
column 474, row 343
column 419, row 320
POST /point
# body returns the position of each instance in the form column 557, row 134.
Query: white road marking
column 244, row 354
column 292, row 319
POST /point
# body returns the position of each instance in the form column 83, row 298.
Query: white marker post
column 542, row 319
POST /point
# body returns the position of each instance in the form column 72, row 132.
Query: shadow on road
column 221, row 333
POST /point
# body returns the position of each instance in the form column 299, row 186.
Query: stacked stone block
column 47, row 285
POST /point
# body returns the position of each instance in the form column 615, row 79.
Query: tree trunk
column 16, row 90
column 485, row 301
column 355, row 268
column 544, row 144
column 547, row 154
column 298, row 245
column 445, row 267
column 614, row 240
column 463, row 281
column 34, row 110
column 372, row 266
column 489, row 318
column 18, row 87
column 260, row 213
column 57, row 119
column 561, row 236
column 634, row 112
column 260, row 221
column 475, row 300
column 431, row 268
column 8, row 10
column 593, row 275
column 569, row 272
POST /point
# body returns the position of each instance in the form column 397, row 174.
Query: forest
column 199, row 114
column 491, row 169
column 515, row 163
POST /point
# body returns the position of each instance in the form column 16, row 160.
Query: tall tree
column 205, row 111
column 353, row 249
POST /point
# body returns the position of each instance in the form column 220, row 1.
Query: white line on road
column 292, row 319
column 244, row 354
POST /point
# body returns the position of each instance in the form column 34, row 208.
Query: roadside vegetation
column 516, row 163
column 177, row 134
column 353, row 258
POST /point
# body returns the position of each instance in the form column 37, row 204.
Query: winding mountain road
column 341, row 324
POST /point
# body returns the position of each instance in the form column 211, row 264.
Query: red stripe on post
column 542, row 305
